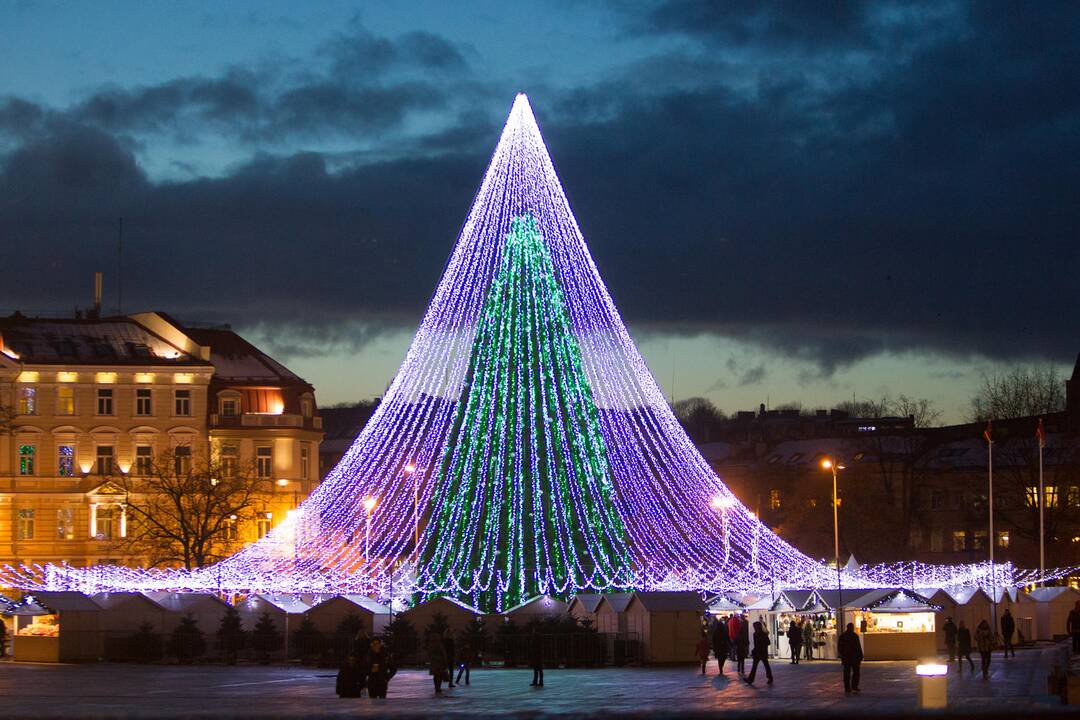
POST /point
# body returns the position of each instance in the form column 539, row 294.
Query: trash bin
column 933, row 685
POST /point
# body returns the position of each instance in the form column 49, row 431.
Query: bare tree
column 1022, row 391
column 697, row 415
column 185, row 510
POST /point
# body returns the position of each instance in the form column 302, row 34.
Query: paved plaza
column 1016, row 688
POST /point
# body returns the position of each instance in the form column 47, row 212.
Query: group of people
column 730, row 639
column 367, row 664
column 960, row 642
column 444, row 658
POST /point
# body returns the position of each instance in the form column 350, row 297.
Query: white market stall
column 900, row 624
column 1052, row 606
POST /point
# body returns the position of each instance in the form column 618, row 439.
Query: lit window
column 104, row 401
column 65, row 400
column 103, row 527
column 959, row 540
column 183, row 403
column 228, row 530
column 1073, row 496
column 65, row 460
column 26, row 459
column 28, row 401
column 144, row 402
column 1031, row 495
column 229, row 455
column 264, row 461
column 104, row 460
column 144, row 460
column 265, row 522
column 65, row 524
column 1003, row 538
column 230, row 407
column 182, row 457
column 774, row 499
column 1051, row 495
column 978, row 540
column 304, row 462
column 26, row 524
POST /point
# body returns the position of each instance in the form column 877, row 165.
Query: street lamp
column 835, row 466
column 369, row 505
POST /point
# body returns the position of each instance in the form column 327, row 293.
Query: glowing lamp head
column 826, row 464
column 410, row 469
column 721, row 502
column 369, row 504
column 282, row 482
column 931, row 669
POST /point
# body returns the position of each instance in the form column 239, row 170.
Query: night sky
column 788, row 201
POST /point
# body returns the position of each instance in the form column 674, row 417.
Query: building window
column 959, row 540
column 26, row 524
column 956, row 499
column 915, row 538
column 305, row 407
column 65, row 460
column 1003, row 538
column 304, row 462
column 183, row 403
column 104, row 401
column 182, row 458
column 937, row 499
column 144, row 460
column 28, row 401
column 103, row 525
column 1072, row 498
column 65, row 400
column 978, row 540
column 264, row 461
column 1049, row 492
column 228, row 530
column 774, row 499
column 265, row 522
column 144, row 402
column 937, row 541
column 65, row 524
column 105, row 460
column 26, row 459
column 229, row 460
column 230, row 407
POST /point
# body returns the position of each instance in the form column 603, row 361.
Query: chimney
column 97, row 294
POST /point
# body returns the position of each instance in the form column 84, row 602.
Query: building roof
column 238, row 362
column 670, row 601
column 93, row 341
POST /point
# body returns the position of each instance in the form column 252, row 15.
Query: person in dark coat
column 360, row 646
column 760, row 654
column 808, row 635
column 849, row 648
column 451, row 655
column 984, row 641
column 742, row 646
column 721, row 644
column 795, row 640
column 438, row 666
column 701, row 650
column 1008, row 627
column 963, row 647
column 950, row 638
column 466, row 659
column 380, row 669
column 536, row 659
column 350, row 678
column 1072, row 627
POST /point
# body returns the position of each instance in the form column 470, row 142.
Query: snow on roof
column 617, row 601
column 118, row 340
column 670, row 601
column 66, row 601
column 588, row 601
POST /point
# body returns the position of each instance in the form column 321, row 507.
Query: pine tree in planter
column 266, row 639
column 437, row 626
column 345, row 634
column 187, row 642
column 230, row 636
column 145, row 645
column 307, row 641
column 400, row 637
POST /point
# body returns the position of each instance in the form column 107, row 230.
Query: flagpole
column 990, row 481
column 1042, row 502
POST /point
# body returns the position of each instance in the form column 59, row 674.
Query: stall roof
column 181, row 602
column 361, row 601
column 794, row 598
column 724, row 603
column 966, row 595
column 894, row 600
column 555, row 605
column 617, row 601
column 588, row 601
column 670, row 601
column 66, row 601
column 288, row 605
column 1049, row 594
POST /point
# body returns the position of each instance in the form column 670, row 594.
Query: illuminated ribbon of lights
column 527, row 443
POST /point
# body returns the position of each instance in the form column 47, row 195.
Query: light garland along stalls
column 522, row 448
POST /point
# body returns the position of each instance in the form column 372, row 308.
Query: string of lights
column 523, row 447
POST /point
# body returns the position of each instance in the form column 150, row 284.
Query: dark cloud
column 897, row 191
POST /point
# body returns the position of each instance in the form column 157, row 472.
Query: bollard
column 933, row 685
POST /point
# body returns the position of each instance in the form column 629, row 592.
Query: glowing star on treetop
column 524, row 441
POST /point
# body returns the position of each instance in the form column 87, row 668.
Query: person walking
column 451, row 656
column 795, row 641
column 380, row 669
column 808, row 635
column 984, row 641
column 950, row 638
column 536, row 658
column 701, row 652
column 466, row 659
column 963, row 647
column 1008, row 627
column 1072, row 627
column 742, row 646
column 350, row 678
column 734, row 630
column 760, row 654
column 721, row 644
column 437, row 660
column 849, row 648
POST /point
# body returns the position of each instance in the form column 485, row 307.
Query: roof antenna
column 120, row 267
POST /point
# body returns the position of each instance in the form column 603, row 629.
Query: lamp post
column 836, row 467
column 369, row 505
column 722, row 503
column 410, row 470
